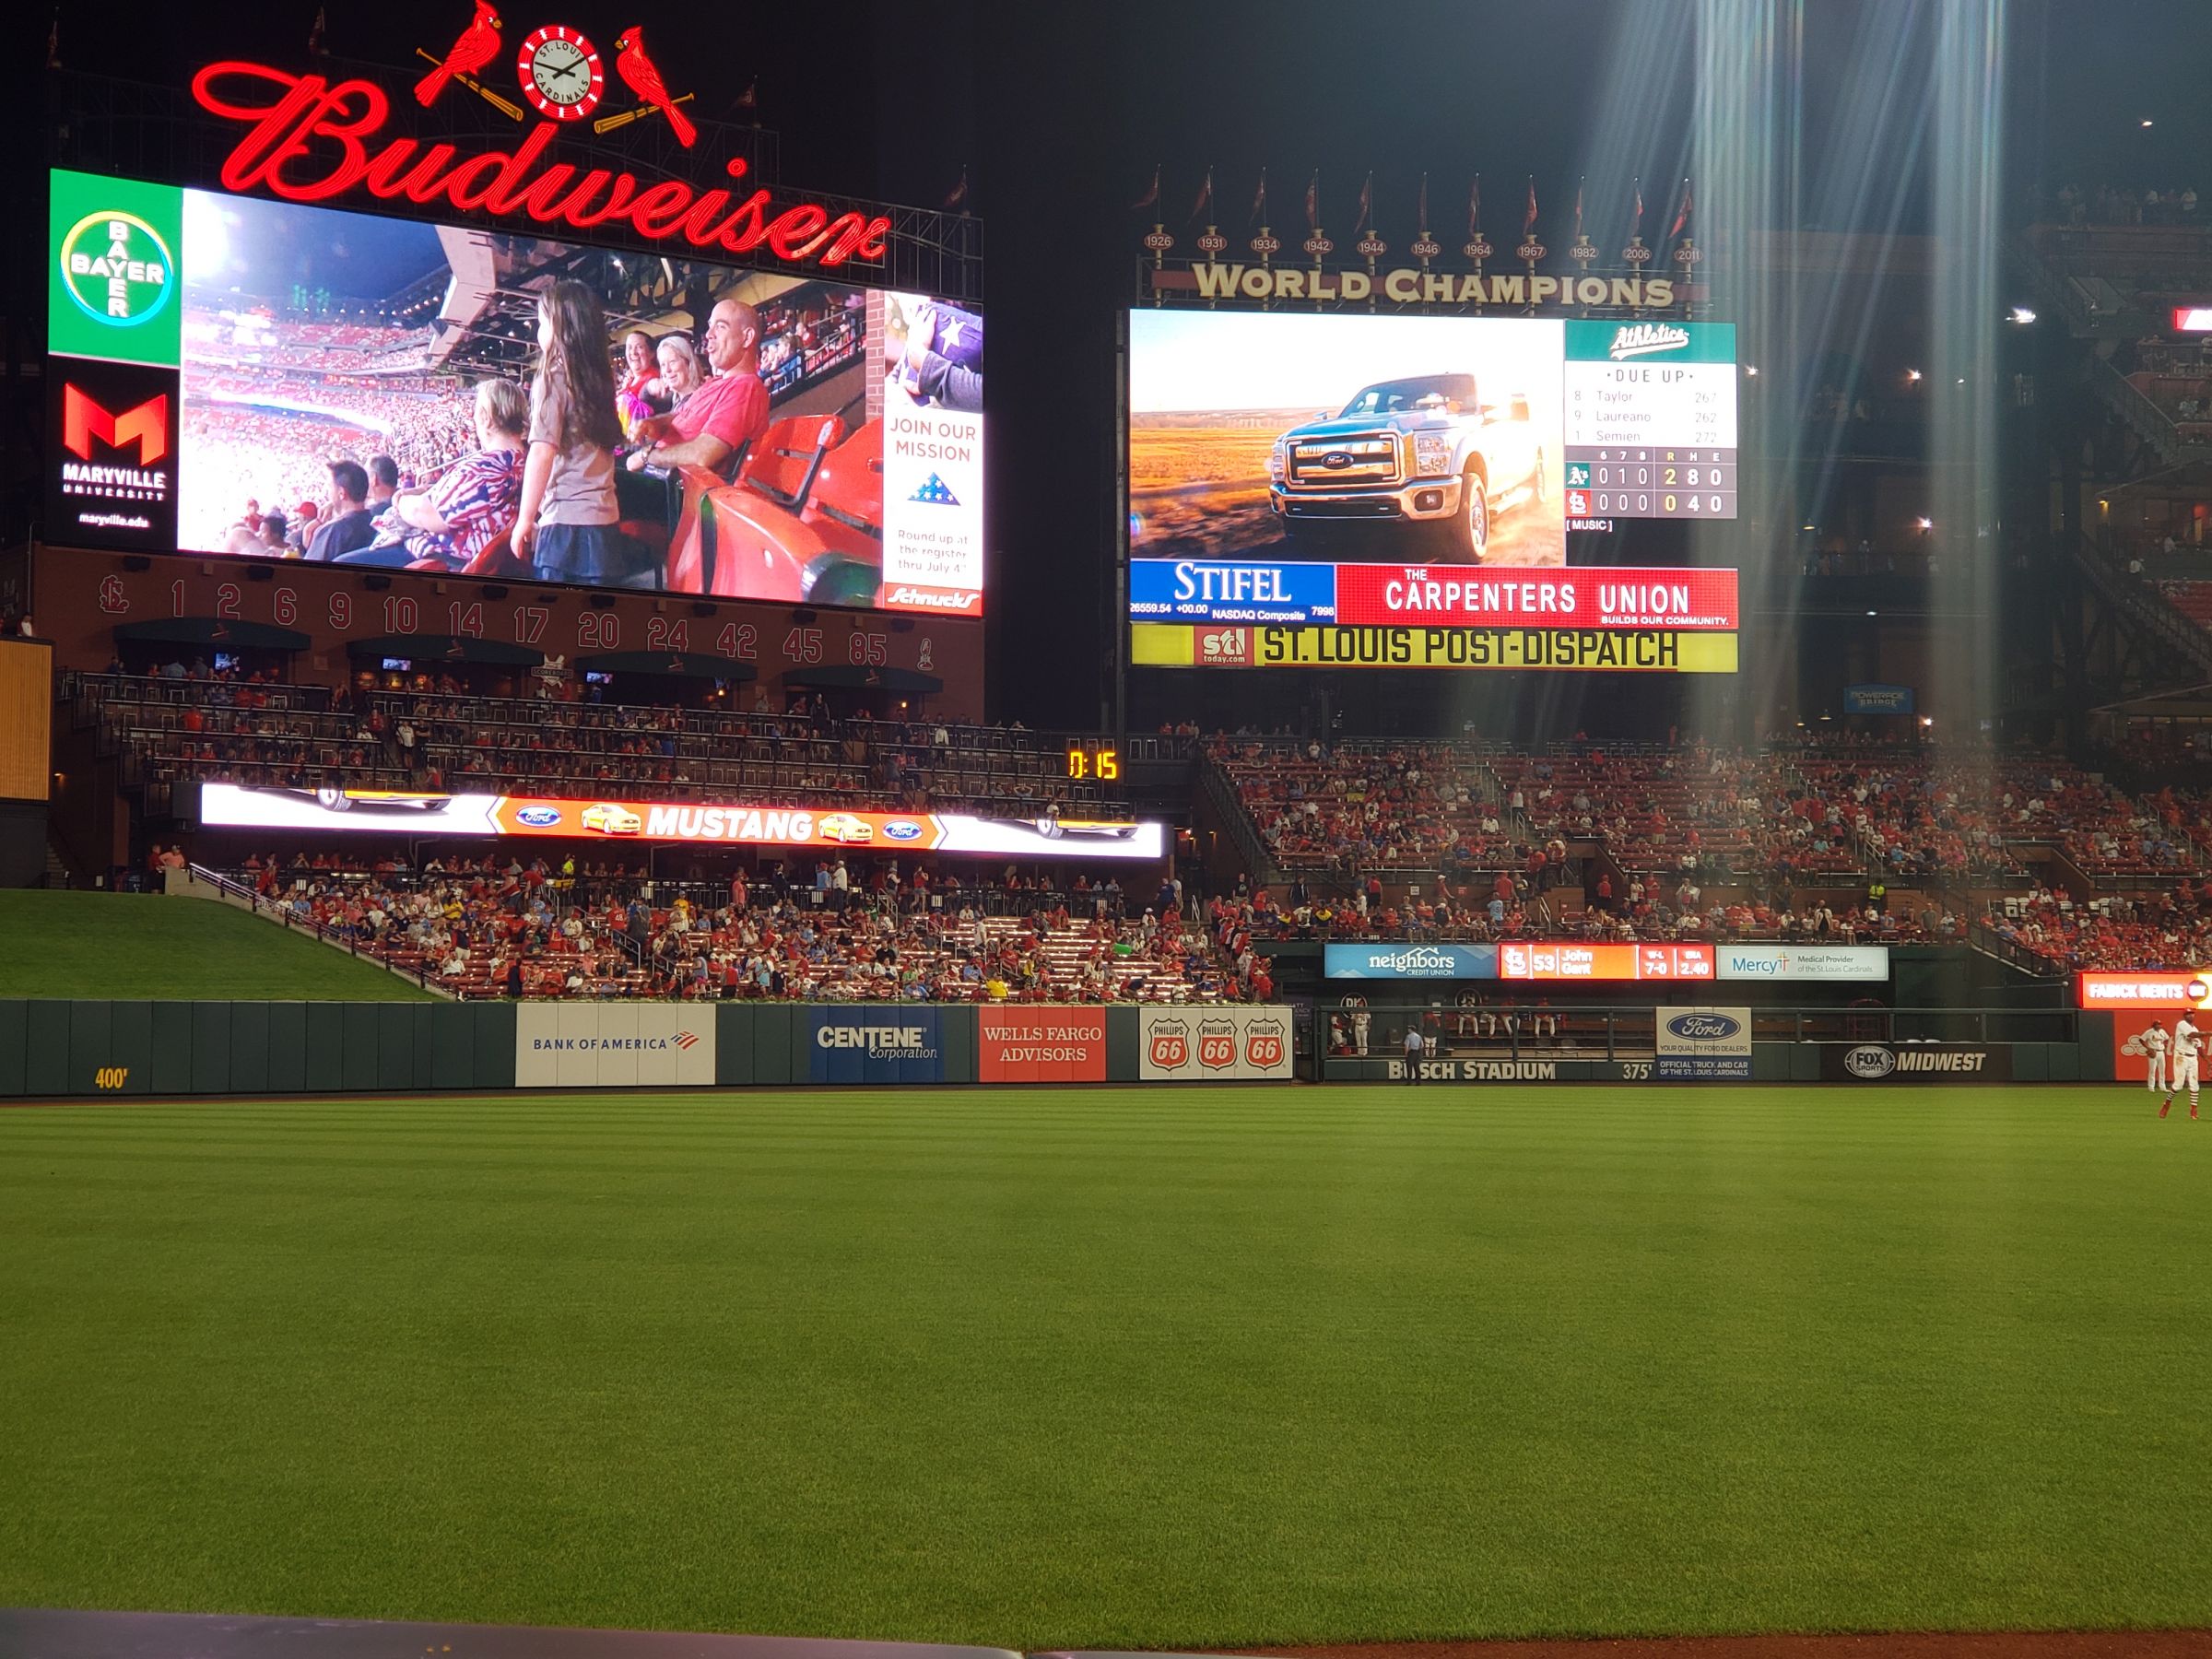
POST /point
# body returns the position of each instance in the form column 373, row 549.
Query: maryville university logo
column 85, row 422
column 89, row 432
column 1171, row 1046
column 1216, row 1044
column 1264, row 1044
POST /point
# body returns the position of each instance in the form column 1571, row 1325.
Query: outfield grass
column 1142, row 1367
column 127, row 945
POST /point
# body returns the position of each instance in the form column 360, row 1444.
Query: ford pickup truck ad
column 1409, row 472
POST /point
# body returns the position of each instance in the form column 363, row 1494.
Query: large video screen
column 1412, row 481
column 724, row 822
column 213, row 356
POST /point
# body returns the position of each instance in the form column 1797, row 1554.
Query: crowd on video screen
column 334, row 441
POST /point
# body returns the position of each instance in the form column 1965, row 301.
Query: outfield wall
column 52, row 1049
column 55, row 1049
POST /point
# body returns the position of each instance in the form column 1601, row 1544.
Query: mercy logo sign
column 114, row 256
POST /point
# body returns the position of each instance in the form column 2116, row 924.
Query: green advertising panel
column 1591, row 340
column 114, row 251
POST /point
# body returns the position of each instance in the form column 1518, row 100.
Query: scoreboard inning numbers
column 1642, row 482
column 1650, row 420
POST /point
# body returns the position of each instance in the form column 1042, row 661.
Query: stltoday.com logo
column 117, row 269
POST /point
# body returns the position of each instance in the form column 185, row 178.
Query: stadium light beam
column 1968, row 73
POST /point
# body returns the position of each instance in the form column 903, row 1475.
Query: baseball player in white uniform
column 2187, row 1042
column 2152, row 1043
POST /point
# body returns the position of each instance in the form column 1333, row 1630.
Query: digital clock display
column 1085, row 761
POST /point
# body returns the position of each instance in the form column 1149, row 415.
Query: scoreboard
column 1649, row 421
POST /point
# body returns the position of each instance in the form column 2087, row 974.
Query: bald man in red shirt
column 724, row 418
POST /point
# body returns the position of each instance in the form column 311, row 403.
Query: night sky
column 1059, row 113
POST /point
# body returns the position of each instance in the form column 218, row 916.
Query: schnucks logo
column 1641, row 339
column 539, row 817
column 955, row 599
column 1870, row 1060
column 902, row 830
column 1704, row 1028
column 117, row 268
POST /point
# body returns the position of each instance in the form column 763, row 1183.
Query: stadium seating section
column 1469, row 841
column 166, row 730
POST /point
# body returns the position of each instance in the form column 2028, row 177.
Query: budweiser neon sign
column 309, row 139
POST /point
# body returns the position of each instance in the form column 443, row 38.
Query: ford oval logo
column 539, row 817
column 1336, row 458
column 902, row 830
column 1704, row 1028
column 1870, row 1060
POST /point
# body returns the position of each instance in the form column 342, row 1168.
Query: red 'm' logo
column 83, row 420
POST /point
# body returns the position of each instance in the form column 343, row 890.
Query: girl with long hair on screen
column 568, row 529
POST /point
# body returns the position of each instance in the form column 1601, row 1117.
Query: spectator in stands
column 641, row 393
column 383, row 480
column 350, row 525
column 717, row 424
column 680, row 371
column 567, row 525
column 456, row 518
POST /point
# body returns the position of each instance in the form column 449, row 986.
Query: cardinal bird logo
column 639, row 76
column 479, row 44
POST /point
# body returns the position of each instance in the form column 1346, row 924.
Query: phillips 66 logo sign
column 1227, row 1042
column 1266, row 1045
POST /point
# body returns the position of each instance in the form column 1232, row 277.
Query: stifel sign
column 309, row 139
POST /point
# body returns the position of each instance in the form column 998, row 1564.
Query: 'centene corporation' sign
column 309, row 139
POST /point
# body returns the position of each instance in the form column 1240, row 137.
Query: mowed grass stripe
column 1158, row 1366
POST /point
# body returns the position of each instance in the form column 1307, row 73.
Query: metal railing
column 238, row 894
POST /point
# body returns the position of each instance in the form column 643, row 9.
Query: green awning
column 427, row 649
column 840, row 677
column 223, row 634
column 687, row 665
